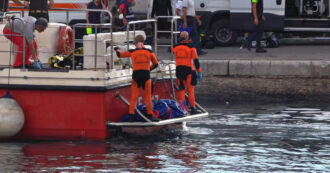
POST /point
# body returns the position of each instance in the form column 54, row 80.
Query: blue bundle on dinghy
column 163, row 109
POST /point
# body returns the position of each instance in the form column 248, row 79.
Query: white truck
column 140, row 9
column 225, row 19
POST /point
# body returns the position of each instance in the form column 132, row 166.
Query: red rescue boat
column 76, row 103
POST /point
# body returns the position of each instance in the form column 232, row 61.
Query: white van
column 226, row 18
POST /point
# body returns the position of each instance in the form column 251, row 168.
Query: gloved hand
column 199, row 76
column 117, row 51
column 36, row 63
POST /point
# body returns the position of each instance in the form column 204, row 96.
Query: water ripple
column 273, row 138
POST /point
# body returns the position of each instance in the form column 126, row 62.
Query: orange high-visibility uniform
column 185, row 56
column 141, row 59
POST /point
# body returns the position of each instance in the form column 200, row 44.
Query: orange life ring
column 65, row 40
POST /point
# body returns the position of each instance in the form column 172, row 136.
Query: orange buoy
column 65, row 40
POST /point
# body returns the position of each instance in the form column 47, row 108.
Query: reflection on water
column 233, row 139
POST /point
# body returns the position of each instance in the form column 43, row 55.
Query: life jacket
column 129, row 15
column 38, row 5
column 184, row 54
column 141, row 58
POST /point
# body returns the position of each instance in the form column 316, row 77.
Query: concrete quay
column 290, row 72
column 267, row 68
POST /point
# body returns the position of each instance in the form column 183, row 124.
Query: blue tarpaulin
column 163, row 109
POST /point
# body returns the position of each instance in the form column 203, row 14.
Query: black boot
column 152, row 118
column 194, row 110
column 131, row 118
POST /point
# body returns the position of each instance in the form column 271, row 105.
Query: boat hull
column 145, row 131
column 52, row 114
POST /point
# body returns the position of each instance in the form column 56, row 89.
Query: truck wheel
column 222, row 34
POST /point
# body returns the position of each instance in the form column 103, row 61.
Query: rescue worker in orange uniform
column 141, row 58
column 185, row 56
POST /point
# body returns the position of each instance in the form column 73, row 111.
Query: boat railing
column 95, row 27
column 173, row 32
column 95, row 55
column 10, row 14
column 134, row 23
column 109, row 27
column 11, row 19
column 67, row 11
column 169, row 64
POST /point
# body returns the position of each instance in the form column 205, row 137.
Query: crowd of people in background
column 185, row 9
column 189, row 22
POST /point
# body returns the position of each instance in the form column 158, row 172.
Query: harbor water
column 234, row 138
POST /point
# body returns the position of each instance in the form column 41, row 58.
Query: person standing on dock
column 258, row 19
column 191, row 20
column 19, row 27
column 39, row 8
column 185, row 56
column 141, row 58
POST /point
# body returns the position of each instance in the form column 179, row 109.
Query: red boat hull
column 74, row 114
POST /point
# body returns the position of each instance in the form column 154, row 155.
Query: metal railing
column 133, row 23
column 168, row 64
column 173, row 31
column 67, row 11
column 95, row 27
column 12, row 18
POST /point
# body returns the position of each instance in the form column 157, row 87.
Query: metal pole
column 301, row 7
column 95, row 47
column 329, row 7
column 155, row 36
column 127, row 32
column 173, row 89
column 74, row 48
column 111, row 44
column 176, row 29
column 134, row 27
column 67, row 17
column 24, row 49
column 24, row 42
column 172, row 56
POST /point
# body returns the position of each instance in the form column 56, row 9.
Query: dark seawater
column 235, row 138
